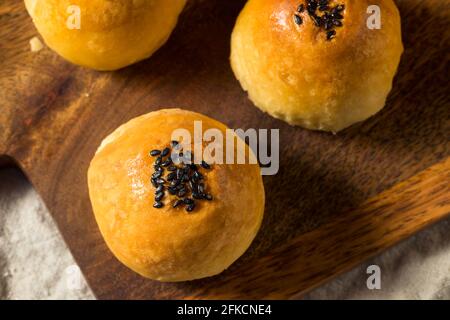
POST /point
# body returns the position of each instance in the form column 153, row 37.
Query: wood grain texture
column 312, row 258
column 53, row 115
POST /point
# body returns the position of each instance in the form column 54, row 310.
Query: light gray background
column 36, row 264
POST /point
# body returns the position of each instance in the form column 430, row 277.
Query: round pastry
column 105, row 35
column 164, row 218
column 322, row 65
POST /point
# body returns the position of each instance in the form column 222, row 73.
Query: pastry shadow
column 291, row 209
column 196, row 52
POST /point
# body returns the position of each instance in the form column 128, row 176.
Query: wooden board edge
column 305, row 263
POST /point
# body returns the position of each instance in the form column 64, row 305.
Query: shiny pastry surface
column 320, row 68
column 111, row 34
column 169, row 242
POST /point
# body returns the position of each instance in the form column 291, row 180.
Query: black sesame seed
column 177, row 203
column 172, row 190
column 337, row 23
column 185, row 178
column 160, row 181
column 165, row 152
column 172, row 168
column 205, row 165
column 182, row 193
column 208, row 197
column 193, row 167
column 174, row 143
column 337, row 15
column 201, row 188
column 331, row 34
column 197, row 196
column 190, row 207
column 166, row 163
column 155, row 153
column 158, row 205
column 193, row 186
column 180, row 186
column 154, row 183
column 197, row 175
column 316, row 20
column 339, row 7
column 298, row 20
column 301, row 8
column 158, row 161
column 171, row 176
column 180, row 173
column 312, row 6
column 157, row 175
column 159, row 196
column 188, row 201
column 159, row 189
column 175, row 183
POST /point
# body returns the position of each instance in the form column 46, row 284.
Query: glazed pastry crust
column 113, row 34
column 170, row 244
column 293, row 73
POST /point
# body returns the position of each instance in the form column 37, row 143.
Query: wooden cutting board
column 336, row 201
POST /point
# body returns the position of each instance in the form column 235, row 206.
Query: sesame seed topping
column 155, row 153
column 323, row 15
column 158, row 205
column 184, row 181
column 165, row 152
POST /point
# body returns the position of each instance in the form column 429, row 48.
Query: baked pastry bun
column 105, row 35
column 147, row 222
column 315, row 63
